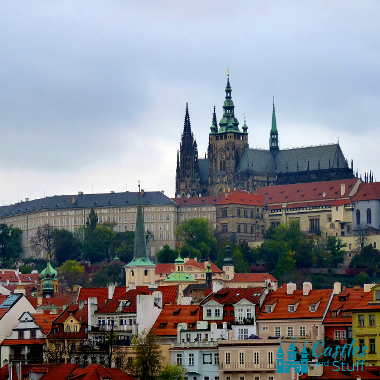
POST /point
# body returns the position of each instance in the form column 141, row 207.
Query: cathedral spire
column 214, row 123
column 273, row 139
column 228, row 112
column 140, row 254
column 187, row 125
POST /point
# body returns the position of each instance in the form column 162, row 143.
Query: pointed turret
column 140, row 254
column 49, row 274
column 273, row 139
column 187, row 125
column 214, row 123
column 228, row 112
column 245, row 127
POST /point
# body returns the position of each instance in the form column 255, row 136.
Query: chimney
column 73, row 200
column 142, row 192
column 26, row 199
column 342, row 189
column 337, row 288
column 82, row 303
column 290, row 288
column 92, row 306
column 307, row 286
column 39, row 300
column 111, row 291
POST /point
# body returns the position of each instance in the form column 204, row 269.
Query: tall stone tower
column 187, row 173
column 226, row 146
column 273, row 137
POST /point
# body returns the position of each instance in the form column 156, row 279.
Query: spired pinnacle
column 274, row 123
column 187, row 125
column 214, row 123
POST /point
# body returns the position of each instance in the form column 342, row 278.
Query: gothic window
column 357, row 217
column 369, row 216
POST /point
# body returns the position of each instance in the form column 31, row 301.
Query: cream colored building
column 71, row 212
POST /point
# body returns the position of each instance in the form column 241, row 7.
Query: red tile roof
column 22, row 342
column 58, row 299
column 367, row 192
column 169, row 296
column 252, row 277
column 45, row 321
column 100, row 293
column 282, row 300
column 51, row 371
column 303, row 192
column 242, row 198
column 343, row 302
column 96, row 372
column 171, row 315
column 365, row 302
column 195, row 201
column 165, row 268
column 170, row 267
column 233, row 295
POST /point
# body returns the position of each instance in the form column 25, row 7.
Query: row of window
column 207, row 359
column 110, row 321
column 21, row 334
column 256, row 358
column 369, row 216
column 371, row 320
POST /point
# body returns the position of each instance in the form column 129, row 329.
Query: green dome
column 179, row 260
column 49, row 273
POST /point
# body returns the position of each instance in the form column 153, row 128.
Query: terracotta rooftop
column 367, row 192
column 281, row 302
column 45, row 321
column 343, row 302
column 58, row 299
column 96, row 372
column 242, row 198
column 24, row 342
column 311, row 191
column 171, row 315
column 170, row 267
column 234, row 295
column 367, row 303
column 252, row 277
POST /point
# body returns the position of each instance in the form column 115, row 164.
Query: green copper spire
column 140, row 254
column 228, row 112
column 48, row 275
column 214, row 123
column 245, row 127
column 228, row 259
column 273, row 138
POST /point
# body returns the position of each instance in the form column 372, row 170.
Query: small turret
column 214, row 123
column 273, row 139
column 49, row 274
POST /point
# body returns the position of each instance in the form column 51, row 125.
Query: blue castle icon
column 284, row 366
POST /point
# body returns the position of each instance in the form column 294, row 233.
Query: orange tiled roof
column 242, row 198
column 96, row 372
column 365, row 303
column 233, row 295
column 171, row 315
column 45, row 321
column 367, row 191
column 311, row 191
column 252, row 277
column 203, row 266
column 164, row 268
column 22, row 342
column 281, row 310
column 343, row 302
column 58, row 299
column 51, row 371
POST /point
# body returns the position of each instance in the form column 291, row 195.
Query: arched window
column 145, row 272
column 369, row 216
column 132, row 273
column 358, row 217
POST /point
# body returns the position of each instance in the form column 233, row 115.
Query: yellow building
column 365, row 327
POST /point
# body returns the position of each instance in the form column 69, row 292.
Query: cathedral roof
column 292, row 160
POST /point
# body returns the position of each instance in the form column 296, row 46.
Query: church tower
column 187, row 173
column 49, row 282
column 226, row 146
column 273, row 139
column 140, row 271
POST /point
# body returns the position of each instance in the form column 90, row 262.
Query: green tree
column 148, row 359
column 73, row 273
column 111, row 273
column 368, row 257
column 286, row 263
column 166, row 255
column 362, row 278
column 122, row 245
column 240, row 264
column 92, row 220
column 172, row 372
column 66, row 246
column 334, row 245
column 197, row 238
column 10, row 242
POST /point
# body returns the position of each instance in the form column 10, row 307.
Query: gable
column 244, row 302
column 212, row 303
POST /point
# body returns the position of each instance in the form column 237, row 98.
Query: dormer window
column 291, row 308
column 312, row 308
column 377, row 296
column 269, row 309
column 333, row 314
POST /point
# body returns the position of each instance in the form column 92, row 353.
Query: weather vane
column 139, row 184
column 228, row 72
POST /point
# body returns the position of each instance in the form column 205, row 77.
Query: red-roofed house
column 252, row 280
column 241, row 215
column 27, row 341
column 289, row 312
column 315, row 206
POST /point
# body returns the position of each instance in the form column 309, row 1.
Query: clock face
column 223, row 157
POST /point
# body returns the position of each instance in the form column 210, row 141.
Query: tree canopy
column 10, row 242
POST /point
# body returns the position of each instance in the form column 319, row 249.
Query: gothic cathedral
column 231, row 164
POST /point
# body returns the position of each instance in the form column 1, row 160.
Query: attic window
column 313, row 308
column 291, row 308
column 298, row 190
column 191, row 325
column 333, row 314
column 175, row 325
column 314, row 189
column 176, row 312
column 269, row 309
column 163, row 325
column 194, row 312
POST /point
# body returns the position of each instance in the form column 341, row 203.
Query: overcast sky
column 93, row 93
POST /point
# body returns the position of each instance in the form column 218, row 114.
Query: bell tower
column 226, row 146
